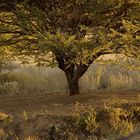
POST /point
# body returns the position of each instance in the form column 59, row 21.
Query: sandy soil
column 62, row 104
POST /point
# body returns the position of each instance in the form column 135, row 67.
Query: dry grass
column 31, row 79
column 86, row 123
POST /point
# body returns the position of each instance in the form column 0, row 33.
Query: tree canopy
column 70, row 33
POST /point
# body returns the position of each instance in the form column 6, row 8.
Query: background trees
column 71, row 34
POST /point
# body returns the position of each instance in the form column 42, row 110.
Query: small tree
column 72, row 33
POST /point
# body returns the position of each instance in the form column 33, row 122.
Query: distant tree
column 70, row 33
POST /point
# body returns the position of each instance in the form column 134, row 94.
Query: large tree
column 70, row 33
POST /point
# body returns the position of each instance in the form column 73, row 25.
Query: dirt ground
column 58, row 105
column 62, row 104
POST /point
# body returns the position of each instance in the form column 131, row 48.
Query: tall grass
column 110, row 77
column 32, row 79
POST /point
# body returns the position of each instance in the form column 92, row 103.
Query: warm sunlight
column 70, row 70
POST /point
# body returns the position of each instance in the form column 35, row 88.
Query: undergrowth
column 111, row 122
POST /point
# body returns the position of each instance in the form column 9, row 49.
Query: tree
column 70, row 33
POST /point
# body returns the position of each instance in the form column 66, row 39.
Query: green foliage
column 60, row 29
column 129, row 39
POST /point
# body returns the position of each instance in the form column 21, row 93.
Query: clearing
column 62, row 104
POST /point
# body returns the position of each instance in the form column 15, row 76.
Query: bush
column 3, row 135
column 5, row 119
column 112, row 121
column 85, row 118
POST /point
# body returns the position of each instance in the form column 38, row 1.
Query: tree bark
column 73, row 84
column 73, row 75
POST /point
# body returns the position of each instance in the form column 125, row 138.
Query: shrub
column 5, row 119
column 113, row 121
column 85, row 118
column 135, row 112
column 3, row 135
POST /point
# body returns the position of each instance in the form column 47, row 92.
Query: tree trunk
column 73, row 76
column 73, row 72
column 73, row 85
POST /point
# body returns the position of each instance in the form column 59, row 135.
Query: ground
column 62, row 104
column 58, row 105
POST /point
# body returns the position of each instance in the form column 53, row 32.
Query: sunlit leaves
column 79, row 30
